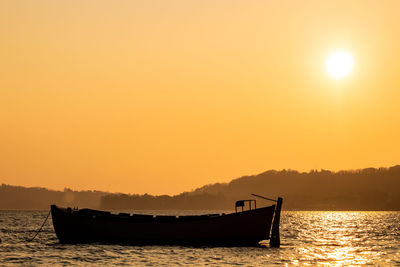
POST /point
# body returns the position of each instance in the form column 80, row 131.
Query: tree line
column 363, row 189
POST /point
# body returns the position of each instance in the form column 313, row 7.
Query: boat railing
column 242, row 203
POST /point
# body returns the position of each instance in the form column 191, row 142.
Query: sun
column 339, row 64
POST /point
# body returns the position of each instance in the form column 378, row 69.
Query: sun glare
column 339, row 64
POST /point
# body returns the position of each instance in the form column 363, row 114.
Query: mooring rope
column 40, row 229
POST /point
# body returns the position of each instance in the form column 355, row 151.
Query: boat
column 245, row 227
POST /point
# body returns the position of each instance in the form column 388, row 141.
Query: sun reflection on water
column 341, row 238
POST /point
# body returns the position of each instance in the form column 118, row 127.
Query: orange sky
column 164, row 96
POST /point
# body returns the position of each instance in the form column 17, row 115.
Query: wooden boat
column 241, row 228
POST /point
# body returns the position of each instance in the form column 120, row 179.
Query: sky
column 162, row 97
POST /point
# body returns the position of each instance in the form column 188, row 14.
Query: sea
column 326, row 238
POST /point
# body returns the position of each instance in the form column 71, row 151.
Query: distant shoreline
column 370, row 189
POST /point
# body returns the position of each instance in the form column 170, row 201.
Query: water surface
column 307, row 238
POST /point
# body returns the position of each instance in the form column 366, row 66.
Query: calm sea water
column 308, row 238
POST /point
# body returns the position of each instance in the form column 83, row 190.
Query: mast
column 275, row 240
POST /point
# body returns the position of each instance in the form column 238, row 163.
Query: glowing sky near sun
column 164, row 96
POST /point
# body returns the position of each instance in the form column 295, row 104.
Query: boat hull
column 235, row 229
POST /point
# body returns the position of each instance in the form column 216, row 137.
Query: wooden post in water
column 275, row 240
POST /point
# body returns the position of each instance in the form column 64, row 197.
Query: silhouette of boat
column 240, row 228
